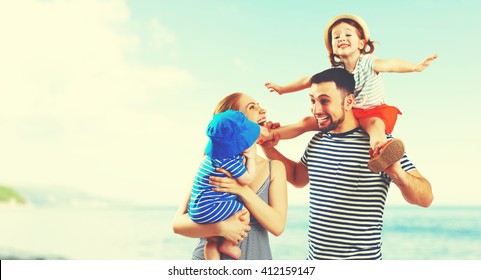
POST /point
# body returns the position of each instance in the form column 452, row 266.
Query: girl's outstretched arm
column 290, row 131
column 297, row 85
column 401, row 66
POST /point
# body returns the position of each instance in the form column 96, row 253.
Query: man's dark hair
column 344, row 80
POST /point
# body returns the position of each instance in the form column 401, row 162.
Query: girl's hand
column 271, row 143
column 273, row 87
column 423, row 65
column 265, row 131
column 272, row 125
column 226, row 185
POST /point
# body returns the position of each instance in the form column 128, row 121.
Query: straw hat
column 355, row 18
column 230, row 133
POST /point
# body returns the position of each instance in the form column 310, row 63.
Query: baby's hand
column 423, row 65
column 273, row 87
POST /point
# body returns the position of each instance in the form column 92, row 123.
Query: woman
column 265, row 198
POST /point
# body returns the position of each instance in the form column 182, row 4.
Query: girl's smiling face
column 346, row 40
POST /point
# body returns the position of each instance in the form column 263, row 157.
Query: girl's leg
column 388, row 154
column 376, row 128
column 211, row 248
column 384, row 154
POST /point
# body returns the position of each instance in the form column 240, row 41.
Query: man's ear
column 349, row 101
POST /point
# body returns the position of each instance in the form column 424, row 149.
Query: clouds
column 73, row 95
column 161, row 35
column 73, row 54
column 113, row 97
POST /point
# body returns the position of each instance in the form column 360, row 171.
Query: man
column 346, row 199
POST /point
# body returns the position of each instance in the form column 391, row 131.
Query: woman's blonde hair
column 230, row 102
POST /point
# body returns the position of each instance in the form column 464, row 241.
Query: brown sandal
column 389, row 153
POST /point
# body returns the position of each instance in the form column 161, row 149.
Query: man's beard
column 333, row 125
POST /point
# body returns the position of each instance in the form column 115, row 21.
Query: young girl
column 349, row 46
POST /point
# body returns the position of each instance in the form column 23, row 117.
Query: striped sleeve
column 234, row 165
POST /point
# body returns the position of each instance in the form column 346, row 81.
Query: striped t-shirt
column 346, row 200
column 207, row 206
column 369, row 90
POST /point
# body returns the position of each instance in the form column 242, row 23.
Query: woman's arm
column 231, row 229
column 271, row 216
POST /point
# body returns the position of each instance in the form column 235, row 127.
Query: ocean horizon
column 409, row 233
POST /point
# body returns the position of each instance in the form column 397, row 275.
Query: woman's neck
column 259, row 159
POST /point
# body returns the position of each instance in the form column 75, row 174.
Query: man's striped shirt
column 346, row 199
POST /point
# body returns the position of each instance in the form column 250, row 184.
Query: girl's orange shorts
column 388, row 114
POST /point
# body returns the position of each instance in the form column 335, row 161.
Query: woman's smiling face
column 252, row 110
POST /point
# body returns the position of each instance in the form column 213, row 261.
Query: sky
column 113, row 97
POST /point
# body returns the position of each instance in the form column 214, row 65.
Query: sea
column 140, row 233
